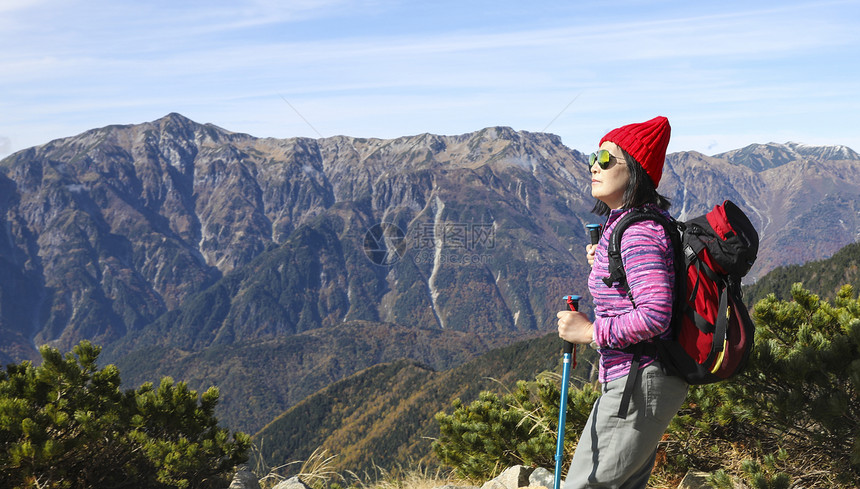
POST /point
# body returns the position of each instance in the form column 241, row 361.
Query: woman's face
column 609, row 185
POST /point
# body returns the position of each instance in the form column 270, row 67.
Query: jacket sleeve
column 646, row 252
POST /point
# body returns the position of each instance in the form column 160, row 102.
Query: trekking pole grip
column 594, row 232
column 572, row 304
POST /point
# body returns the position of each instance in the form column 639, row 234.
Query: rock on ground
column 542, row 477
column 244, row 479
column 291, row 483
column 694, row 480
column 512, row 478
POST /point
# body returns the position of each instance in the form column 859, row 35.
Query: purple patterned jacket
column 648, row 261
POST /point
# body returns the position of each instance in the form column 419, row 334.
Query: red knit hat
column 646, row 142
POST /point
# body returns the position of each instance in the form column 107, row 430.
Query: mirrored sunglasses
column 601, row 157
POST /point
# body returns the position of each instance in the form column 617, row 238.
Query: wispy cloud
column 351, row 67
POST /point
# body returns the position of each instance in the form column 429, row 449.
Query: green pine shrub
column 521, row 427
column 798, row 396
column 67, row 424
column 766, row 474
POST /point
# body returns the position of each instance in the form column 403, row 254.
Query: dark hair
column 640, row 190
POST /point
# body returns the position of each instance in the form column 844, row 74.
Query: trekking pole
column 569, row 351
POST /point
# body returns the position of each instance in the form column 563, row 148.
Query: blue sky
column 726, row 74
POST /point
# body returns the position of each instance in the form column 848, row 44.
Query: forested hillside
column 261, row 379
column 383, row 416
column 825, row 277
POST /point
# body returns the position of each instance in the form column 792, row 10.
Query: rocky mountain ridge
column 773, row 155
column 180, row 237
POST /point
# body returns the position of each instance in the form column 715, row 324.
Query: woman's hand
column 589, row 253
column 574, row 327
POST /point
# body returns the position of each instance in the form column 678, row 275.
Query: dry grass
column 418, row 477
column 317, row 472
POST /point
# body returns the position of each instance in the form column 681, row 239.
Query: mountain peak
column 825, row 153
column 176, row 116
column 762, row 157
column 177, row 121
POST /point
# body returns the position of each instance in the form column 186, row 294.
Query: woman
column 618, row 450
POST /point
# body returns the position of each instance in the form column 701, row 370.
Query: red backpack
column 712, row 332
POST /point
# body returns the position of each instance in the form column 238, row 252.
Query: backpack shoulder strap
column 613, row 250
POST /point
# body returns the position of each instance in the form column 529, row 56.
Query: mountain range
column 275, row 267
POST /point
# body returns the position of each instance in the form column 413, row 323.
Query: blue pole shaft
column 572, row 302
column 562, row 417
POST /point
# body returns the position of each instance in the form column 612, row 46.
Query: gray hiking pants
column 616, row 453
